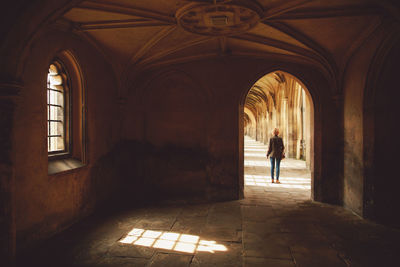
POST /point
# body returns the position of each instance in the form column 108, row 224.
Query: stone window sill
column 64, row 165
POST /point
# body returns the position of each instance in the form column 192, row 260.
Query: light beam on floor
column 171, row 241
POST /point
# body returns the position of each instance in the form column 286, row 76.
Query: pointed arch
column 270, row 97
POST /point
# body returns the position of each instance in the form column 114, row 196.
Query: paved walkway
column 295, row 178
column 275, row 225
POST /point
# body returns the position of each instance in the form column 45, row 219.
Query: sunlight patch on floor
column 254, row 163
column 171, row 241
column 257, row 169
column 286, row 182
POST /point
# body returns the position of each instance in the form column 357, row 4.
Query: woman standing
column 275, row 150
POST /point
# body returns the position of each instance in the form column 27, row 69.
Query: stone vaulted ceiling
column 145, row 33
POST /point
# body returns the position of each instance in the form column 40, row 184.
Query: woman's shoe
column 272, row 181
column 277, row 182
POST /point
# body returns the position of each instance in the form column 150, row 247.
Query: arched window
column 57, row 110
column 66, row 114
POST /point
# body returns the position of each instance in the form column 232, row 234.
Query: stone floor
column 275, row 225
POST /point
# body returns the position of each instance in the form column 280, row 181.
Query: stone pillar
column 292, row 129
column 337, row 151
column 307, row 123
column 265, row 125
column 302, row 124
column 299, row 130
column 274, row 121
column 258, row 126
column 8, row 101
column 285, row 130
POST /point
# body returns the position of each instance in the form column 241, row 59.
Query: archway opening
column 278, row 100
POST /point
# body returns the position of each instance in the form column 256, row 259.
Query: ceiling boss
column 219, row 18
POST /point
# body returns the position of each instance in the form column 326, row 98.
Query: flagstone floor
column 274, row 225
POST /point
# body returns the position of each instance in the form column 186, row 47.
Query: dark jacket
column 276, row 147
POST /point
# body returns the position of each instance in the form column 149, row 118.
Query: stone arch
column 312, row 94
column 249, row 121
column 37, row 16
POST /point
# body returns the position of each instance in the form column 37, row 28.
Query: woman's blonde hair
column 275, row 131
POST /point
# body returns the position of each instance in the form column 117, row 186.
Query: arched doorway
column 278, row 100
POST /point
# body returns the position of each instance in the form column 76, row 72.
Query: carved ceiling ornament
column 218, row 18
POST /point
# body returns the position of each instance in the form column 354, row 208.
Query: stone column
column 274, row 120
column 337, row 151
column 302, row 124
column 265, row 133
column 285, row 130
column 8, row 102
column 292, row 129
column 258, row 130
column 295, row 122
column 299, row 124
column 307, row 122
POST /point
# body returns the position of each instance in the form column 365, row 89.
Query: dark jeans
column 278, row 164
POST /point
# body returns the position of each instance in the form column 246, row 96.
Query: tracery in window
column 57, row 110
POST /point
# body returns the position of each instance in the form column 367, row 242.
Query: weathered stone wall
column 46, row 204
column 8, row 96
column 182, row 134
column 353, row 91
column 182, row 130
column 359, row 71
column 220, row 84
column 383, row 185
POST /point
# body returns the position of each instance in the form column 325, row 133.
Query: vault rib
column 318, row 13
column 177, row 60
column 102, row 50
column 277, row 44
column 274, row 12
column 107, row 7
column 151, row 43
column 185, row 59
column 175, row 49
column 324, row 55
column 116, row 24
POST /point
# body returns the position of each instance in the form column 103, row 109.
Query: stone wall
column 181, row 138
column 46, row 204
column 8, row 96
column 177, row 132
column 381, row 181
column 205, row 101
column 368, row 92
column 354, row 84
column 278, row 100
